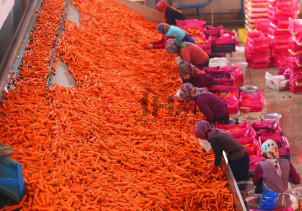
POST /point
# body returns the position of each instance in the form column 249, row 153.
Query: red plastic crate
column 213, row 31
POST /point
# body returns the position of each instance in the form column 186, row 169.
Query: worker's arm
column 162, row 44
column 218, row 154
column 257, row 178
column 215, row 144
column 158, row 41
column 293, row 175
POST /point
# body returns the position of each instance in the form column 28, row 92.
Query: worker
column 189, row 52
column 170, row 32
column 222, row 141
column 170, row 13
column 213, row 108
column 191, row 74
column 275, row 173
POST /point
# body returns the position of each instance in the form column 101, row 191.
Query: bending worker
column 170, row 32
column 275, row 174
column 170, row 13
column 190, row 74
column 213, row 108
column 222, row 141
column 189, row 52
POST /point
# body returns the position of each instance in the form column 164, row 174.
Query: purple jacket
column 200, row 80
column 211, row 106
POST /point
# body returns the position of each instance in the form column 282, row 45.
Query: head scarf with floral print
column 269, row 152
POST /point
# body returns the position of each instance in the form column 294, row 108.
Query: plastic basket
column 233, row 61
column 220, row 48
column 249, row 118
column 249, row 89
column 252, row 202
column 221, row 62
column 298, row 193
column 213, row 31
column 272, row 117
column 246, row 188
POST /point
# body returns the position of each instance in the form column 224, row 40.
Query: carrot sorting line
column 89, row 147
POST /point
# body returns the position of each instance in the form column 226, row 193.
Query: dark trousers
column 187, row 38
column 201, row 66
column 224, row 119
column 240, row 168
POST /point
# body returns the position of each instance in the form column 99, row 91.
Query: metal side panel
column 147, row 12
column 232, row 184
column 13, row 55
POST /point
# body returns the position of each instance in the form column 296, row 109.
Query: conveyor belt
column 19, row 48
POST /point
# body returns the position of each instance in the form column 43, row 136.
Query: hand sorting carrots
column 89, row 147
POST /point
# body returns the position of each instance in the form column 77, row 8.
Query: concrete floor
column 285, row 103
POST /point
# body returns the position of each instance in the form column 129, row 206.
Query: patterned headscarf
column 171, row 46
column 188, row 92
column 201, row 129
column 185, row 68
column 269, row 152
column 163, row 28
column 204, row 130
column 161, row 6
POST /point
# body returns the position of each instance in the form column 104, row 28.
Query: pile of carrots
column 89, row 147
column 193, row 32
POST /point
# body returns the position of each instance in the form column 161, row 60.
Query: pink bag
column 221, row 76
column 246, row 140
column 293, row 87
column 191, row 23
column 254, row 160
column 266, row 127
column 232, row 104
column 251, row 103
column 282, row 142
column 242, row 133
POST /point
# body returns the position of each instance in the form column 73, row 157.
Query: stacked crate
column 255, row 10
column 279, row 12
column 261, row 25
column 257, row 50
column 295, row 60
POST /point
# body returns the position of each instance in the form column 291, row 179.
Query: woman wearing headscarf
column 222, row 141
column 170, row 13
column 213, row 108
column 189, row 52
column 170, row 32
column 275, row 174
column 191, row 74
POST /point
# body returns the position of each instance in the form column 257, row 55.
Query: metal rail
column 238, row 201
column 13, row 56
column 49, row 78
